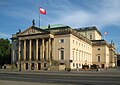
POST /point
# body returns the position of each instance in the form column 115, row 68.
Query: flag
column 42, row 11
column 105, row 33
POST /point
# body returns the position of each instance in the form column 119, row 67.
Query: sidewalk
column 16, row 71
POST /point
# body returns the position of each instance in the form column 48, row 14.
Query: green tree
column 5, row 51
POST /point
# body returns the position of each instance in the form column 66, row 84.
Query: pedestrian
column 98, row 68
column 77, row 69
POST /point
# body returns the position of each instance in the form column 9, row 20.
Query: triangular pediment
column 33, row 30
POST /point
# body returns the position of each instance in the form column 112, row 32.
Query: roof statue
column 33, row 22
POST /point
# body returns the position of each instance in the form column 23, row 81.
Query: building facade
column 103, row 53
column 59, row 47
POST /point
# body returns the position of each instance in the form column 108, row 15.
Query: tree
column 5, row 51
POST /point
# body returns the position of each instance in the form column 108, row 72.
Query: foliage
column 5, row 51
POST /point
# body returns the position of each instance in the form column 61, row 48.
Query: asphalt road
column 60, row 78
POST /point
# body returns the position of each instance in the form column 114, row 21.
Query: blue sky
column 104, row 14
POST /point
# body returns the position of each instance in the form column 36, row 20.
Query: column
column 49, row 51
column 46, row 48
column 49, row 48
column 24, row 50
column 19, row 55
column 29, row 65
column 30, row 50
column 52, row 49
column 36, row 49
column 42, row 57
column 36, row 64
column 42, row 48
column 24, row 66
column 19, row 50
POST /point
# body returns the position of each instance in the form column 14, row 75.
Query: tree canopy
column 5, row 51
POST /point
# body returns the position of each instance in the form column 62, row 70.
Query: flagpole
column 105, row 33
column 39, row 17
column 104, row 37
column 41, row 11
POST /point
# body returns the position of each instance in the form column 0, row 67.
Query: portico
column 34, row 52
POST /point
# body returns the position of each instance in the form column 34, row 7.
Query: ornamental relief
column 31, row 31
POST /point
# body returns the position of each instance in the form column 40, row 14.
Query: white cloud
column 4, row 35
column 106, row 13
column 95, row 12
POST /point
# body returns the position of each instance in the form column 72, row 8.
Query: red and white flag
column 105, row 33
column 42, row 11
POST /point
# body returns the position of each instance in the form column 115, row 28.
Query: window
column 90, row 36
column 62, row 54
column 79, row 44
column 79, row 65
column 76, row 56
column 79, row 56
column 76, row 42
column 61, row 41
column 73, row 41
column 98, row 48
column 76, row 65
column 73, row 64
column 98, row 58
column 73, row 55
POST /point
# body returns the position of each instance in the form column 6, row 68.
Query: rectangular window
column 76, row 56
column 98, row 48
column 79, row 56
column 79, row 44
column 98, row 58
column 73, row 41
column 76, row 65
column 73, row 64
column 90, row 36
column 79, row 65
column 61, row 41
column 62, row 54
column 76, row 42
column 73, row 55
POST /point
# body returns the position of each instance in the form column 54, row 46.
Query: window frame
column 61, row 54
column 61, row 40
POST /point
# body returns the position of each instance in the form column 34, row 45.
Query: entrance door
column 26, row 66
column 103, row 66
column 39, row 66
column 32, row 67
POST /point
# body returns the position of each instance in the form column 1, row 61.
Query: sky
column 104, row 14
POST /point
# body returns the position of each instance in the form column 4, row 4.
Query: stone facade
column 59, row 48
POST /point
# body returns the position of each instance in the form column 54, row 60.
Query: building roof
column 99, row 42
column 55, row 26
column 60, row 29
column 88, row 29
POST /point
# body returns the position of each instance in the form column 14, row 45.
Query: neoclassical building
column 58, row 47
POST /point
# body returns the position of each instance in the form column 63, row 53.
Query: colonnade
column 34, row 54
